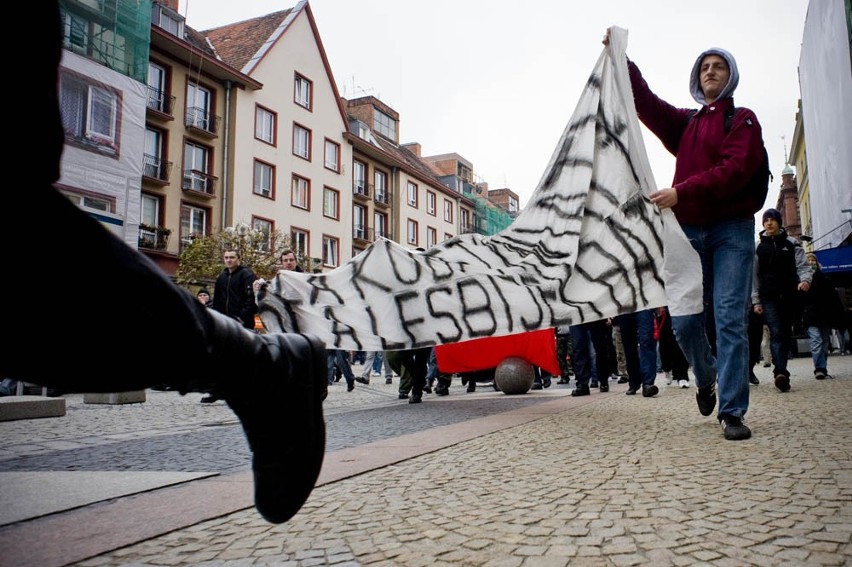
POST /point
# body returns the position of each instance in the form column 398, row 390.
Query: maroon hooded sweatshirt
column 713, row 168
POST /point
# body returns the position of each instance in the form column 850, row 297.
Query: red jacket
column 712, row 167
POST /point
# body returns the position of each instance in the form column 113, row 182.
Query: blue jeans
column 820, row 341
column 640, row 351
column 726, row 250
column 338, row 358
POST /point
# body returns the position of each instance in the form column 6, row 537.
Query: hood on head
column 695, row 83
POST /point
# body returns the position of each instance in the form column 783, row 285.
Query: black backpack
column 758, row 187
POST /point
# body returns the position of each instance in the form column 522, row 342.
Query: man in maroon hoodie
column 719, row 151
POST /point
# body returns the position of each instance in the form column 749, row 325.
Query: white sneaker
column 683, row 383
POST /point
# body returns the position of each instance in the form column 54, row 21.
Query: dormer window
column 167, row 19
column 384, row 125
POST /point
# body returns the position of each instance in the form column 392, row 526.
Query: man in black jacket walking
column 233, row 296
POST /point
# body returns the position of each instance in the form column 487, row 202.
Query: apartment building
column 290, row 165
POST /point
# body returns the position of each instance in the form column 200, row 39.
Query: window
column 412, row 232
column 196, row 163
column 158, row 98
column 412, row 194
column 331, row 203
column 359, row 222
column 359, row 178
column 90, row 113
column 384, row 125
column 96, row 203
column 264, row 125
column 513, row 205
column 299, row 241
column 431, row 237
column 431, row 203
column 330, row 251
column 301, row 142
column 448, row 210
column 381, row 184
column 303, row 92
column 266, row 227
column 264, row 179
column 465, row 221
column 151, row 206
column 332, row 156
column 168, row 20
column 380, row 222
column 300, row 194
column 198, row 112
column 193, row 224
column 153, row 165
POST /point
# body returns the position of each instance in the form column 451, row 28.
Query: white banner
column 588, row 245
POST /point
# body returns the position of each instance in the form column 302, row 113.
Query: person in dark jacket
column 822, row 312
column 282, row 375
column 713, row 201
column 781, row 275
column 233, row 295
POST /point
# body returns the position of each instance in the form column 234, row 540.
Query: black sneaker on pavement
column 362, row 380
column 820, row 373
column 706, row 398
column 752, row 378
column 649, row 390
column 782, row 382
column 735, row 429
column 580, row 390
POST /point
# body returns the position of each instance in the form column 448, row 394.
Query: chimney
column 414, row 147
column 170, row 4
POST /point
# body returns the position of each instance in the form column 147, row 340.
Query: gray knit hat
column 695, row 83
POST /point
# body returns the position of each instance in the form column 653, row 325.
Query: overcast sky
column 496, row 81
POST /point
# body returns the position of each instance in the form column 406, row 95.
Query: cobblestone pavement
column 618, row 481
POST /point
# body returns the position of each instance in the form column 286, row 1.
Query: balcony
column 156, row 169
column 200, row 120
column 361, row 191
column 383, row 198
column 153, row 237
column 361, row 232
column 160, row 102
column 383, row 234
column 199, row 182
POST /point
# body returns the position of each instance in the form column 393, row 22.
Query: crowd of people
column 276, row 383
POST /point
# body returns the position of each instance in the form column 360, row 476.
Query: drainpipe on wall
column 225, row 153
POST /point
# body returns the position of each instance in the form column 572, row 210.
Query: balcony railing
column 383, row 234
column 160, row 101
column 361, row 232
column 361, row 189
column 156, row 168
column 200, row 119
column 199, row 182
column 153, row 237
column 383, row 197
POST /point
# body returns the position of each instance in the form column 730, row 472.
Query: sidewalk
column 600, row 480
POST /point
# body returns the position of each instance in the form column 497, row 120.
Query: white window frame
column 380, row 225
column 264, row 125
column 411, row 191
column 266, row 226
column 302, row 91
column 380, row 185
column 331, row 203
column 151, row 206
column 411, row 232
column 330, row 251
column 359, row 177
column 300, row 193
column 448, row 211
column 264, row 179
column 301, row 142
column 431, row 237
column 431, row 203
column 193, row 222
column 300, row 242
column 332, row 156
column 359, row 221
